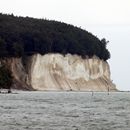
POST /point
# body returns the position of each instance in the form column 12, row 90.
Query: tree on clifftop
column 3, row 51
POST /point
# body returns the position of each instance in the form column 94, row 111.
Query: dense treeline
column 21, row 36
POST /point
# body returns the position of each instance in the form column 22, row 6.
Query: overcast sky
column 104, row 18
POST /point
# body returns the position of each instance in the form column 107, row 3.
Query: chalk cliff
column 58, row 72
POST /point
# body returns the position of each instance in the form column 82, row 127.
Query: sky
column 108, row 19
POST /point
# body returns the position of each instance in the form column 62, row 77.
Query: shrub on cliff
column 27, row 36
column 6, row 78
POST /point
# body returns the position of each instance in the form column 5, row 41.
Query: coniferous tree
column 3, row 51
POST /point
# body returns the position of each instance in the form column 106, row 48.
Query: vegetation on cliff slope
column 21, row 36
column 6, row 78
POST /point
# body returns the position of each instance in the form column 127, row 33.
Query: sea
column 40, row 110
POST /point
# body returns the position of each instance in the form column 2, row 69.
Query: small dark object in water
column 108, row 90
column 92, row 93
column 9, row 91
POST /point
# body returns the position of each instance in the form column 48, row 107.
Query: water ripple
column 65, row 111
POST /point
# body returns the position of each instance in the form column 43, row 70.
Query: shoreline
column 15, row 91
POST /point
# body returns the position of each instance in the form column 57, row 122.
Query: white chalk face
column 104, row 18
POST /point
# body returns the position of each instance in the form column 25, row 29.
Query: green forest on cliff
column 21, row 36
